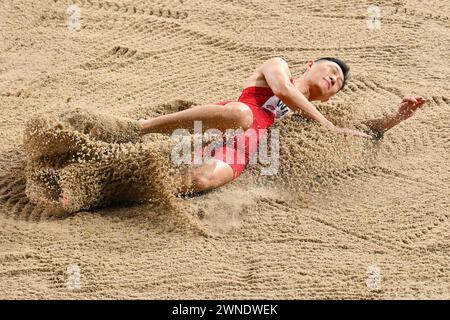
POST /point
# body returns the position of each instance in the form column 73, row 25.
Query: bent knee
column 201, row 179
column 212, row 175
column 240, row 114
column 201, row 183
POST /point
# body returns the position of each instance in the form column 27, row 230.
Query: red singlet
column 230, row 152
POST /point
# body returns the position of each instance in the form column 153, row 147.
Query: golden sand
column 339, row 209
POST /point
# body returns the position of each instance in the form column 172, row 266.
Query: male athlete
column 269, row 93
column 260, row 103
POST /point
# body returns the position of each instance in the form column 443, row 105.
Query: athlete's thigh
column 222, row 103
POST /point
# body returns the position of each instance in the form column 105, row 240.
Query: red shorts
column 237, row 150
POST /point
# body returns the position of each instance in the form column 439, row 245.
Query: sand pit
column 342, row 218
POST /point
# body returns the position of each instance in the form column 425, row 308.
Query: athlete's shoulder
column 275, row 61
column 257, row 78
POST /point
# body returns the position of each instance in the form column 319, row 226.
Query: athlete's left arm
column 407, row 107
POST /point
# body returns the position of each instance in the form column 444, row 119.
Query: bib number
column 276, row 106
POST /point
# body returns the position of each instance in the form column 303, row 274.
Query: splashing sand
column 71, row 169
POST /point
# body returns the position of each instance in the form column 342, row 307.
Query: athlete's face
column 325, row 78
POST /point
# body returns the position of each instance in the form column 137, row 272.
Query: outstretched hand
column 409, row 105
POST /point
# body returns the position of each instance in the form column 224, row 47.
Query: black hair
column 344, row 67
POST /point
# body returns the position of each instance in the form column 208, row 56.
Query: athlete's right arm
column 277, row 74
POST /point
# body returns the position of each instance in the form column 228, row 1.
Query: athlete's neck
column 302, row 85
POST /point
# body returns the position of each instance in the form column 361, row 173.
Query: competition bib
column 276, row 106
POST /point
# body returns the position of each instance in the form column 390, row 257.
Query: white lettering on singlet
column 276, row 106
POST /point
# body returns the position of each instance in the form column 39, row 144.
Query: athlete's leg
column 206, row 176
column 232, row 115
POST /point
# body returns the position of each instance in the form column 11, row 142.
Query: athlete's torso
column 257, row 91
column 263, row 97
